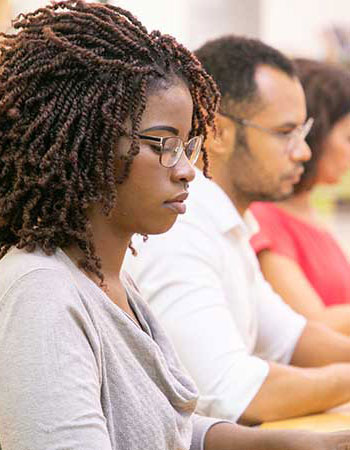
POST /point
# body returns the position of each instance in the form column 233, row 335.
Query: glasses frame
column 160, row 141
column 299, row 133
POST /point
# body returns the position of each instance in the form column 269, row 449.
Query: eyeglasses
column 292, row 138
column 171, row 148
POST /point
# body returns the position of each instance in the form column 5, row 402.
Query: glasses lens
column 171, row 151
column 193, row 148
column 299, row 135
column 306, row 128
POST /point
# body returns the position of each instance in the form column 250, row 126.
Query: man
column 252, row 357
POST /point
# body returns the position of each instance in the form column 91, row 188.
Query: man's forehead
column 244, row 109
column 280, row 95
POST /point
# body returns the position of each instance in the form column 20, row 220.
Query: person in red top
column 300, row 258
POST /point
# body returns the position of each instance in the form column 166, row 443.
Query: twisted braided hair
column 69, row 79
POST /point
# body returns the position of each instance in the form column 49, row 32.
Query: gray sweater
column 77, row 373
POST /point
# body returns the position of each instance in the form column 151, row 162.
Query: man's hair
column 69, row 79
column 232, row 62
column 327, row 91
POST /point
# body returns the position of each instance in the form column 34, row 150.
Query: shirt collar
column 216, row 203
column 251, row 223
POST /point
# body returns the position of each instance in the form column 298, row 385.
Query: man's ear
column 221, row 142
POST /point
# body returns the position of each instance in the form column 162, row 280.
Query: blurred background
column 311, row 28
column 294, row 26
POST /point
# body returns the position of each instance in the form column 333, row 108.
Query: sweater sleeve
column 201, row 426
column 49, row 368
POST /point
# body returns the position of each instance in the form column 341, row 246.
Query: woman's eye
column 155, row 148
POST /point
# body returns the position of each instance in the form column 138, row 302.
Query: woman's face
column 146, row 201
column 335, row 160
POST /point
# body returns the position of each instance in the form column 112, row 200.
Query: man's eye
column 285, row 132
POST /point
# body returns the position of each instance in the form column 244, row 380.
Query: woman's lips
column 177, row 203
column 178, row 207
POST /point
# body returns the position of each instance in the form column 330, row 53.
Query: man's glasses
column 292, row 138
column 171, row 148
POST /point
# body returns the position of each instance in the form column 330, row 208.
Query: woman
column 298, row 256
column 100, row 125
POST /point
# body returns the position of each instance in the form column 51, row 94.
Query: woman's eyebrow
column 162, row 128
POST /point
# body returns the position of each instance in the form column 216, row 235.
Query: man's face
column 261, row 167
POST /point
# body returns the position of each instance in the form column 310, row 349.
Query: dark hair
column 327, row 90
column 232, row 62
column 68, row 80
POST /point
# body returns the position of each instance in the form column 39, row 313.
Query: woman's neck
column 110, row 247
column 300, row 206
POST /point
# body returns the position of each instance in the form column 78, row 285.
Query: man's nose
column 301, row 152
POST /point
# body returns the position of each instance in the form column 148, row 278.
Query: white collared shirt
column 203, row 282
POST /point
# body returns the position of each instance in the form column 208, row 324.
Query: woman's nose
column 183, row 170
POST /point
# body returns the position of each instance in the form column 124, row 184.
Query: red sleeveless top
column 315, row 250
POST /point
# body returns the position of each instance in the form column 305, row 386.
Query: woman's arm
column 288, row 280
column 224, row 436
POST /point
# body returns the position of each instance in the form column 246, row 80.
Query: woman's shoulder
column 275, row 233
column 266, row 211
column 19, row 263
column 271, row 219
column 35, row 277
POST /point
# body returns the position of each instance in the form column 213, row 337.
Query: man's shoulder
column 204, row 190
column 210, row 204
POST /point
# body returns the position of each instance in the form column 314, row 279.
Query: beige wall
column 192, row 22
column 5, row 14
column 296, row 26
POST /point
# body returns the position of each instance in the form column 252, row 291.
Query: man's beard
column 244, row 186
column 260, row 195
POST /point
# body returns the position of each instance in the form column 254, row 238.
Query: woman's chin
column 332, row 180
column 160, row 228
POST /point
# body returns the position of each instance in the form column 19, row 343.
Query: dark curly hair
column 232, row 62
column 327, row 90
column 69, row 79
